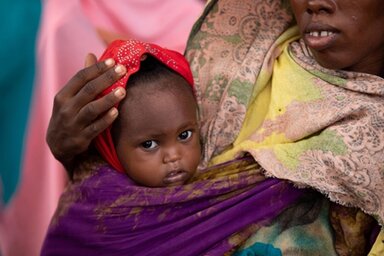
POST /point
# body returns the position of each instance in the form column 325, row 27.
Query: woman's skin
column 76, row 117
column 343, row 34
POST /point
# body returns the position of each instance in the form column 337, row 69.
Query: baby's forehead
column 153, row 103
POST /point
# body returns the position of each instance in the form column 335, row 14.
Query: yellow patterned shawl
column 304, row 123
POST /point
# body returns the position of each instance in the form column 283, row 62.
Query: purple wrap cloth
column 105, row 213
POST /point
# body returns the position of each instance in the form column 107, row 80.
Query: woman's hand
column 77, row 117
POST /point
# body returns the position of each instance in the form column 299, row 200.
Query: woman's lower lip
column 319, row 43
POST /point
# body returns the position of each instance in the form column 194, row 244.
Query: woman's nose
column 320, row 6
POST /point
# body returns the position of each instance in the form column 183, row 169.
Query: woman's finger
column 84, row 76
column 100, row 124
column 90, row 59
column 93, row 110
column 94, row 87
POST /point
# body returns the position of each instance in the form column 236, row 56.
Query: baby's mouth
column 176, row 176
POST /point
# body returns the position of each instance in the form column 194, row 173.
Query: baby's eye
column 149, row 144
column 185, row 135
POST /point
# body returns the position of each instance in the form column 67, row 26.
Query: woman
column 305, row 122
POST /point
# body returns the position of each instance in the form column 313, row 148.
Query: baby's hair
column 151, row 70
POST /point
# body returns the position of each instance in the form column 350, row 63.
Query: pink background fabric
column 67, row 33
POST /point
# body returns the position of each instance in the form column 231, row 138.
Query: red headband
column 129, row 53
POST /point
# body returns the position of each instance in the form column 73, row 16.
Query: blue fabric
column 259, row 249
column 18, row 29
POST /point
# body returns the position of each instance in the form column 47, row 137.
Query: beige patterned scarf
column 316, row 127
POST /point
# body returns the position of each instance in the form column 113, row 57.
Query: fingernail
column 109, row 62
column 119, row 69
column 119, row 93
column 113, row 112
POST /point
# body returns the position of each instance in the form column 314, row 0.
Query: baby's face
column 158, row 143
column 343, row 34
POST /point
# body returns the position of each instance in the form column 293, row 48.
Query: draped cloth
column 261, row 92
column 105, row 213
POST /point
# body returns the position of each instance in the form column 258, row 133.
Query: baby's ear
column 143, row 57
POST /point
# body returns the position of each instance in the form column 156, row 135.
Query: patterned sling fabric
column 316, row 127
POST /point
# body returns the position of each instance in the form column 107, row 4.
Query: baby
column 155, row 139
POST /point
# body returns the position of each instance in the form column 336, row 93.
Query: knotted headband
column 129, row 53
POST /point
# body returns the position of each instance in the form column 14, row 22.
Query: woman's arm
column 77, row 116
